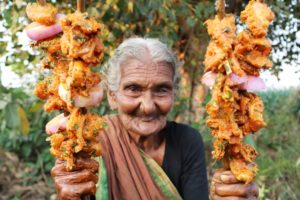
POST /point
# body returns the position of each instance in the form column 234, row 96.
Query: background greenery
column 25, row 161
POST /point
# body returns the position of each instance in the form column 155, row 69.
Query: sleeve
column 193, row 178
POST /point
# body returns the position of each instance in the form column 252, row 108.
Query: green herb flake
column 95, row 132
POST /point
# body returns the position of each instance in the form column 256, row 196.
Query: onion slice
column 253, row 84
column 57, row 123
column 209, row 78
column 37, row 31
column 237, row 80
column 94, row 98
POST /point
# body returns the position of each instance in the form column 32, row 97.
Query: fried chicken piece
column 222, row 31
column 82, row 22
column 80, row 38
column 47, row 87
column 246, row 42
column 235, row 66
column 55, row 103
column 41, row 90
column 61, row 70
column 248, row 152
column 81, row 75
column 243, row 171
column 49, row 46
column 54, row 56
column 258, row 17
column 42, row 14
column 255, row 114
column 79, row 84
column 214, row 57
column 56, row 141
column 250, row 70
column 219, row 148
column 81, row 79
column 81, row 136
column 258, row 60
column 252, row 50
column 221, row 110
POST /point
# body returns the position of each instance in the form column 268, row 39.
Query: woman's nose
column 147, row 103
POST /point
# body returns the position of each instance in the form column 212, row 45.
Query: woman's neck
column 150, row 142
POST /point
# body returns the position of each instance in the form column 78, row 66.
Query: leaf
column 5, row 98
column 26, row 150
column 199, row 9
column 7, row 16
column 249, row 140
column 11, row 115
column 130, row 7
column 24, row 123
column 36, row 107
column 191, row 21
column 298, row 162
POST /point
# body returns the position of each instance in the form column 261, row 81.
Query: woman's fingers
column 228, row 179
column 59, row 168
column 71, row 185
column 216, row 197
column 89, row 164
column 74, row 192
column 224, row 176
column 77, row 177
column 225, row 185
column 241, row 190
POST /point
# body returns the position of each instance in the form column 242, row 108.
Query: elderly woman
column 144, row 155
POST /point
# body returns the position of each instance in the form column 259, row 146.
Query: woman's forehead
column 145, row 70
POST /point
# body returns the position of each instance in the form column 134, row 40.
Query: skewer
column 80, row 5
column 42, row 2
column 220, row 8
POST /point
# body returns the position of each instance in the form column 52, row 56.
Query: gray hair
column 136, row 48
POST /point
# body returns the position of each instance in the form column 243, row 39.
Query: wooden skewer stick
column 80, row 5
column 42, row 2
column 220, row 8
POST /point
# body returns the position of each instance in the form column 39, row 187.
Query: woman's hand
column 224, row 186
column 79, row 182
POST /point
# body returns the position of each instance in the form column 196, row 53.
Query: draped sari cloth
column 126, row 172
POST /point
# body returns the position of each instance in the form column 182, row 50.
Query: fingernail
column 223, row 178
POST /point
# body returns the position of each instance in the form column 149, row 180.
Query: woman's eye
column 162, row 90
column 133, row 88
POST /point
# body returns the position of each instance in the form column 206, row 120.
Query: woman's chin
column 149, row 128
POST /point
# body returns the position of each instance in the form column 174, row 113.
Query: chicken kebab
column 71, row 49
column 234, row 62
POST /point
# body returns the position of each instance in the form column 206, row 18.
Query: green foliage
column 278, row 146
column 31, row 144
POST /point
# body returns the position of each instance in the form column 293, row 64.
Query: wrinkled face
column 145, row 96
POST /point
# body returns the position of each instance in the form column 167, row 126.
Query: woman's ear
column 111, row 97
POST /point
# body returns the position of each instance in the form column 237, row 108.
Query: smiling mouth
column 148, row 118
